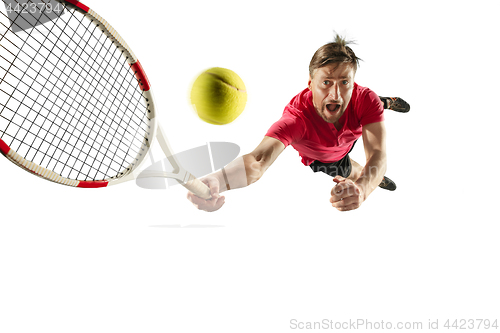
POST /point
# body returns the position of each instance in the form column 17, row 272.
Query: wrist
column 361, row 185
column 223, row 181
column 221, row 177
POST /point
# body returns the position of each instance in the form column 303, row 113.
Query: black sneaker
column 395, row 103
column 387, row 184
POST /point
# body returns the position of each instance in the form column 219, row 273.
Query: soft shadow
column 178, row 226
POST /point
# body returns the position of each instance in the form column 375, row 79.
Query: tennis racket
column 76, row 107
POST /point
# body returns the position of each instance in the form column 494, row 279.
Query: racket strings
column 66, row 141
column 74, row 105
column 106, row 97
column 104, row 68
column 76, row 34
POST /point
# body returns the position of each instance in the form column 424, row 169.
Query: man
column 322, row 123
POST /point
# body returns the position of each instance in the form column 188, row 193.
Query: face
column 331, row 88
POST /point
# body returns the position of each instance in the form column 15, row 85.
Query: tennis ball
column 218, row 96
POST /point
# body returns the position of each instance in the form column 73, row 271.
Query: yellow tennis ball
column 218, row 96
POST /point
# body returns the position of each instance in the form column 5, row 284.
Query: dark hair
column 332, row 53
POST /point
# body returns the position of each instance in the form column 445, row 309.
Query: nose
column 334, row 92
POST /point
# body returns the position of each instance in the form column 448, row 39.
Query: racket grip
column 198, row 188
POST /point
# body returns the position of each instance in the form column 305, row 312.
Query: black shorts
column 340, row 168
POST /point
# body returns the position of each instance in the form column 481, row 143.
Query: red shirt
column 314, row 138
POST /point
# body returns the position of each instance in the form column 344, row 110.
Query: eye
column 345, row 82
column 326, row 82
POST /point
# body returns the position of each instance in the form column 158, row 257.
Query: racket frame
column 133, row 171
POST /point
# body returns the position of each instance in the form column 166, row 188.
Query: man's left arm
column 348, row 195
column 374, row 138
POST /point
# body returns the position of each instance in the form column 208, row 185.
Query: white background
column 125, row 259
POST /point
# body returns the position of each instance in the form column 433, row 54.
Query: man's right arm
column 241, row 172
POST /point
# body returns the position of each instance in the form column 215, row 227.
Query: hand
column 346, row 195
column 215, row 202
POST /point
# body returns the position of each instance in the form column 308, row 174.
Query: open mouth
column 332, row 108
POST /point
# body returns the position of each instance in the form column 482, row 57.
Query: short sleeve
column 372, row 109
column 289, row 129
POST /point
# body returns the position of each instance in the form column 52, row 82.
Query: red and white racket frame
column 133, row 171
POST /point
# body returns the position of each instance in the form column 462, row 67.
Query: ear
column 309, row 82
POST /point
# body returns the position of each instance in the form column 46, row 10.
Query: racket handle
column 197, row 187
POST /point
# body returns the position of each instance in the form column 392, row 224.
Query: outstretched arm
column 241, row 172
column 374, row 138
column 349, row 195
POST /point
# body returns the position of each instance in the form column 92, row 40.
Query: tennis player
column 323, row 123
